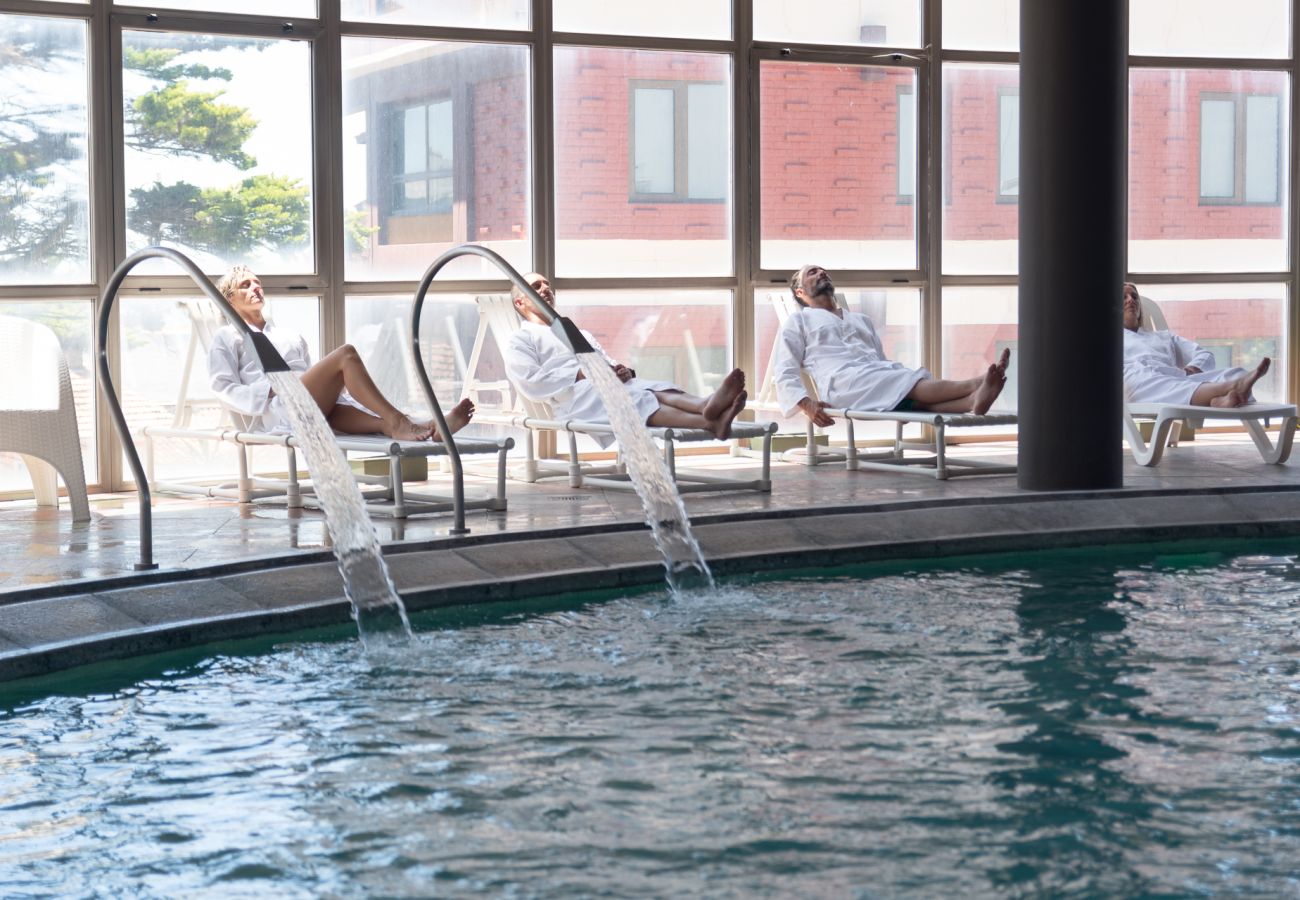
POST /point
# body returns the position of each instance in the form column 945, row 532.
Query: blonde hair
column 231, row 279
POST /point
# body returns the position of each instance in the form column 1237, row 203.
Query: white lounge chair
column 385, row 495
column 935, row 460
column 1167, row 416
column 38, row 419
column 498, row 319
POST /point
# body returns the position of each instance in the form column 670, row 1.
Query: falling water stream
column 376, row 605
column 664, row 511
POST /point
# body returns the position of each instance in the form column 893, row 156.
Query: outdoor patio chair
column 38, row 419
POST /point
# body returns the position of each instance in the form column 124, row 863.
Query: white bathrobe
column 238, row 380
column 1153, row 367
column 543, row 368
column 846, row 361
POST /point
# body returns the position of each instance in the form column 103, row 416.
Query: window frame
column 681, row 140
column 1239, row 148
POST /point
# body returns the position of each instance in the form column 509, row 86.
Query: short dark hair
column 796, row 283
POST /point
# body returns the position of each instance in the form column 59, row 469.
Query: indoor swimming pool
column 1110, row 722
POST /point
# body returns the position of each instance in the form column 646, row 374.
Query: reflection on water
column 1065, row 726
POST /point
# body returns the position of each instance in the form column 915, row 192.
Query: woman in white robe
column 1162, row 367
column 339, row 383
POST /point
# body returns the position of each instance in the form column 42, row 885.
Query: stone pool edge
column 122, row 618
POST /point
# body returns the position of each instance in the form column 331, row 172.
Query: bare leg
column 1230, row 394
column 972, row 395
column 672, row 417
column 711, row 407
column 343, row 368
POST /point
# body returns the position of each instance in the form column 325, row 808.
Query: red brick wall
column 500, row 194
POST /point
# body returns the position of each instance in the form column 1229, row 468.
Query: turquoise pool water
column 1100, row 724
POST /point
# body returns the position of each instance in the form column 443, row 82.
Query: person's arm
column 249, row 398
column 1192, row 356
column 791, row 394
column 538, row 371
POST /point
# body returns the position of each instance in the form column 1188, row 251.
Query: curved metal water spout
column 266, row 352
column 565, row 329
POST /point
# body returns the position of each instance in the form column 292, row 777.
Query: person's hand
column 816, row 412
column 623, row 372
column 1192, row 370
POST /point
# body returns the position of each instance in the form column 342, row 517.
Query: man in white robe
column 843, row 353
column 1162, row 367
column 339, row 383
column 544, row 368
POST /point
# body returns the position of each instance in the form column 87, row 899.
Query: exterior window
column 1008, row 147
column 906, row 145
column 679, row 142
column 423, row 153
column 1240, row 148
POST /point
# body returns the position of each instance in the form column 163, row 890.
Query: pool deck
column 69, row 595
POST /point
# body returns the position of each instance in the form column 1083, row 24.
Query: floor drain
column 570, row 497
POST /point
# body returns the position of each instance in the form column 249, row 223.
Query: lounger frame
column 1254, row 416
column 935, row 460
column 384, row 495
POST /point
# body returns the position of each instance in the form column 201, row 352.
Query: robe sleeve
column 537, row 374
column 249, row 399
column 1191, row 353
column 788, row 365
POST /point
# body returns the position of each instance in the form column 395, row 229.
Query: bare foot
column 721, row 399
column 403, row 429
column 1004, row 360
column 722, row 426
column 994, row 380
column 458, row 417
column 1241, row 388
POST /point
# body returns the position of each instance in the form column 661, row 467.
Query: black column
column 1073, row 202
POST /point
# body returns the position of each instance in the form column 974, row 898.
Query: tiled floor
column 41, row 546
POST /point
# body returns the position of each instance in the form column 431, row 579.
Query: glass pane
column 880, row 23
column 829, row 148
column 1238, row 323
column 72, row 323
column 604, row 224
column 303, row 8
column 1263, row 149
column 217, row 165
column 475, row 156
column 45, row 188
column 707, row 130
column 978, row 324
column 981, row 25
column 1257, row 28
column 380, row 328
column 980, row 175
column 1173, row 225
column 1218, row 148
column 157, row 387
column 653, row 141
column 510, row 14
column 667, row 18
column 906, row 144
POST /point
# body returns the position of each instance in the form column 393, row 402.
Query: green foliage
column 156, row 63
column 179, row 121
column 263, row 210
column 358, row 231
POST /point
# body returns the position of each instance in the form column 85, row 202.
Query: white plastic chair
column 37, row 418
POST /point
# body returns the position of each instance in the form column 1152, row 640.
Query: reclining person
column 1161, row 367
column 545, row 369
column 339, row 383
column 844, row 355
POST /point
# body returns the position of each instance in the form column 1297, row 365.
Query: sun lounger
column 935, row 460
column 1167, row 416
column 498, row 319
